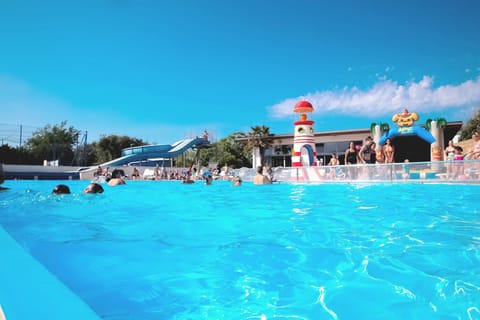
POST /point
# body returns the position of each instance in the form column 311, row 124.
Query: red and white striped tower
column 304, row 153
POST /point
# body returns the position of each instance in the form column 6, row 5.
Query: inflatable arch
column 433, row 134
column 405, row 121
column 407, row 131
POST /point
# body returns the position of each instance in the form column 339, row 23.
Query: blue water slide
column 165, row 151
column 407, row 131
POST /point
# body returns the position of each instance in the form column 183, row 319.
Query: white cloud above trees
column 387, row 97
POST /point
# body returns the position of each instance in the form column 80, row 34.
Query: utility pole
column 20, row 144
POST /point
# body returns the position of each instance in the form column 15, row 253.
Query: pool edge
column 38, row 294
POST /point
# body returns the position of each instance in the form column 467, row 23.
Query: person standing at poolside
column 260, row 178
column 379, row 154
column 351, row 154
column 458, row 170
column 450, row 150
column 474, row 154
column 373, row 154
column 2, row 177
column 333, row 162
column 449, row 156
column 98, row 172
column 351, row 158
column 366, row 151
column 135, row 174
column 389, row 151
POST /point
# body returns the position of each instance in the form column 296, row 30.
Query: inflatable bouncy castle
column 433, row 133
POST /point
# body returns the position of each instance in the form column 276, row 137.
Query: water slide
column 164, row 151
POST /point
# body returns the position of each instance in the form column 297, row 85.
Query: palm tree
column 441, row 123
column 384, row 127
column 261, row 138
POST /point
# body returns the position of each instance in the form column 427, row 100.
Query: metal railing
column 466, row 171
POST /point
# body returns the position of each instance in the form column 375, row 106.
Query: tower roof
column 303, row 106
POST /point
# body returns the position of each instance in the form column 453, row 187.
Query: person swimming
column 93, row 188
column 61, row 189
column 237, row 181
column 116, row 178
column 208, row 179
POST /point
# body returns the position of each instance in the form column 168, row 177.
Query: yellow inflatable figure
column 405, row 119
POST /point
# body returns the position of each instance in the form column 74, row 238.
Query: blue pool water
column 163, row 250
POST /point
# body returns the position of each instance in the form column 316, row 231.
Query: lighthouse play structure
column 304, row 153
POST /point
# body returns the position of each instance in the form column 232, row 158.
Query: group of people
column 454, row 153
column 369, row 152
column 92, row 187
column 115, row 178
column 190, row 176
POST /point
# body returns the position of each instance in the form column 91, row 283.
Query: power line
column 16, row 134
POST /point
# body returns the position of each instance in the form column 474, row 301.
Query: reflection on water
column 164, row 250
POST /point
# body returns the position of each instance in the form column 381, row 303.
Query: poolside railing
column 467, row 171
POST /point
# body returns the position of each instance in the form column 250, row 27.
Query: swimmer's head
column 237, row 181
column 93, row 188
column 61, row 189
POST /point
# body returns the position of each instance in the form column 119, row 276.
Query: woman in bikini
column 450, row 151
column 449, row 156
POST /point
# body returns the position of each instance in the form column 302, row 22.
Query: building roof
column 452, row 128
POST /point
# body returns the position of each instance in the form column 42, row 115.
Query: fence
column 467, row 171
column 15, row 134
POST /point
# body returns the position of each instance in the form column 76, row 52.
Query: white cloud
column 387, row 97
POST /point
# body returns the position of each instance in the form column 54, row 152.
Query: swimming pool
column 163, row 250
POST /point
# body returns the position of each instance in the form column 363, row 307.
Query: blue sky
column 165, row 70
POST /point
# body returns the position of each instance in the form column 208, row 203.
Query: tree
column 471, row 125
column 234, row 153
column 110, row 147
column 11, row 155
column 52, row 143
column 261, row 138
column 226, row 152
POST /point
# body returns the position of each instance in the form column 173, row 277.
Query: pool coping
column 29, row 291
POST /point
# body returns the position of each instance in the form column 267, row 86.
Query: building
column 409, row 147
